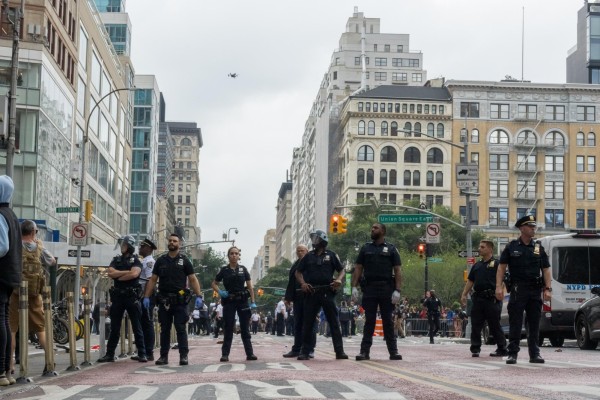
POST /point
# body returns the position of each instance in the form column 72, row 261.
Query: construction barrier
column 49, row 328
column 378, row 327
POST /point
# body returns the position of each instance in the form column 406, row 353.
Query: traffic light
column 343, row 228
column 89, row 207
column 215, row 294
column 421, row 248
column 465, row 275
column 84, row 290
column 260, row 292
column 334, row 223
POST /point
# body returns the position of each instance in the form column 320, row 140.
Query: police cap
column 148, row 242
column 526, row 220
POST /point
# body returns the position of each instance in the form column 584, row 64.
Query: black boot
column 107, row 358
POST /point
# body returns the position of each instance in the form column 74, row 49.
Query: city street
column 444, row 370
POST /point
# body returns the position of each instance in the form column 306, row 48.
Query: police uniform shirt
column 234, row 279
column 172, row 273
column 317, row 270
column 524, row 260
column 125, row 263
column 483, row 274
column 378, row 261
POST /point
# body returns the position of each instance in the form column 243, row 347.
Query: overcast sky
column 281, row 49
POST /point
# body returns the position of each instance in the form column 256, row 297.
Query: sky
column 281, row 50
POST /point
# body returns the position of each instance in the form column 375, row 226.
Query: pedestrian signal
column 261, row 292
column 421, row 250
column 334, row 223
column 343, row 228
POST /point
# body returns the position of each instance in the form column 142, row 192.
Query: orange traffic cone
column 378, row 328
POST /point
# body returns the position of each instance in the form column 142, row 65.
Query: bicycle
column 61, row 326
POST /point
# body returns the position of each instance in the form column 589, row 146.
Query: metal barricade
column 416, row 327
column 102, row 325
column 49, row 328
column 130, row 338
column 87, row 307
column 156, row 327
column 123, row 333
column 72, row 339
column 24, row 332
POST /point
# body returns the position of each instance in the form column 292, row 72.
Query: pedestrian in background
column 280, row 313
column 433, row 305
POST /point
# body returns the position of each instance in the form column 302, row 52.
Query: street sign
column 471, row 261
column 60, row 210
column 279, row 292
column 404, row 218
column 435, row 260
column 433, row 233
column 80, row 234
column 467, row 172
column 464, row 253
column 468, row 184
column 84, row 253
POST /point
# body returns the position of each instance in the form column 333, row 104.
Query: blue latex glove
column 252, row 305
column 199, row 302
column 223, row 293
column 146, row 302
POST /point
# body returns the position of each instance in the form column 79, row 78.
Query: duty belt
column 485, row 294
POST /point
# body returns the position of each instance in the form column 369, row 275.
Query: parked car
column 587, row 322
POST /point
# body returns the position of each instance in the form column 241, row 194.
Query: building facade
column 283, row 232
column 583, row 61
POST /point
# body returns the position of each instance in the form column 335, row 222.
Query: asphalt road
column 444, row 370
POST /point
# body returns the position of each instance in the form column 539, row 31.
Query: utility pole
column 12, row 124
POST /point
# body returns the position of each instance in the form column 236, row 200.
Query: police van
column 575, row 263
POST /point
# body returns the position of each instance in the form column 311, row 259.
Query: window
column 361, row 127
column 370, row 177
column 580, row 191
column 383, row 177
column 380, row 62
column 360, row 176
column 394, row 126
column 499, row 111
column 498, row 189
column 375, row 107
column 419, row 108
column 407, row 176
column 439, row 179
column 499, row 137
column 469, row 109
column 555, row 218
column 384, row 128
column 526, row 162
column 586, row 113
column 526, row 137
column 388, row 154
column 555, row 163
column 435, row 156
column 365, row 153
column 580, row 218
column 356, row 60
column 554, row 190
column 441, row 108
column 591, row 191
column 416, row 178
column 591, row 164
column 591, row 219
column 417, row 77
column 526, row 189
column 412, row 155
column 371, row 128
column 399, row 48
column 475, row 136
column 393, row 177
column 527, row 111
column 360, row 106
column 580, row 139
column 417, row 129
column 499, row 162
column 412, row 108
column 591, row 139
column 390, row 107
column 407, row 129
column 386, row 48
column 579, row 164
column 555, row 113
column 426, row 108
column 433, row 108
column 399, row 76
column 555, row 139
column 187, row 211
column 360, row 198
column 498, row 216
column 429, row 178
column 475, row 158
column 521, row 212
column 404, row 108
column 392, row 198
column 430, row 129
column 187, row 199
column 380, row 76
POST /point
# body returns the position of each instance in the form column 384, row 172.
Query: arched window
column 388, row 154
column 555, row 138
column 371, row 128
column 393, row 177
column 592, row 139
column 429, row 178
column 361, row 127
column 383, row 177
column 430, row 129
column 365, row 153
column 416, row 178
column 440, row 130
column 394, row 127
column 439, row 179
column 435, row 156
column 186, row 142
column 412, row 155
column 407, row 129
column 526, row 137
column 370, row 177
column 475, row 135
column 417, row 129
column 499, row 137
column 580, row 139
column 407, row 176
column 384, row 128
column 360, row 176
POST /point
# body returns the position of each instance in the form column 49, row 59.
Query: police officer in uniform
column 525, row 258
column 145, row 249
column 434, row 306
column 238, row 288
column 125, row 296
column 173, row 271
column 378, row 271
column 482, row 279
column 315, row 275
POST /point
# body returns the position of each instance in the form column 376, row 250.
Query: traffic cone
column 378, row 328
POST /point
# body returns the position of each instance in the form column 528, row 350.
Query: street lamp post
column 226, row 235
column 82, row 183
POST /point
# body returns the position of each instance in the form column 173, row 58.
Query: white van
column 575, row 263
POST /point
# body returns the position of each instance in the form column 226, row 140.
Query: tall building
column 583, row 60
column 117, row 24
column 283, row 232
column 365, row 59
column 266, row 256
column 165, row 208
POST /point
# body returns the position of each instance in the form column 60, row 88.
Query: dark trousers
column 486, row 309
column 243, row 311
column 5, row 337
column 255, row 327
column 353, row 326
column 370, row 303
column 120, row 304
column 312, row 304
column 345, row 325
column 299, row 312
column 526, row 299
column 175, row 315
column 147, row 321
column 280, row 324
column 434, row 324
column 218, row 326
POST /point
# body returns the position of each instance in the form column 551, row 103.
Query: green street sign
column 434, row 260
column 279, row 292
column 60, row 210
column 404, row 218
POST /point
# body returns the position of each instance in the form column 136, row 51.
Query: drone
column 232, row 75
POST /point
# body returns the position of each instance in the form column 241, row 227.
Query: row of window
column 391, row 198
column 396, row 62
column 499, row 162
column 553, row 218
column 369, row 129
column 580, row 219
column 187, row 211
column 390, row 177
column 398, row 108
column 527, row 111
column 396, row 76
column 555, row 190
column 411, row 155
column 188, row 199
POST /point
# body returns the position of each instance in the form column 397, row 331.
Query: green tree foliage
column 276, row 277
column 207, row 268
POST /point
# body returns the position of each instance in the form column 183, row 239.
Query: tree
column 276, row 277
column 207, row 267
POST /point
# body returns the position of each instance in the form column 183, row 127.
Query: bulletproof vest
column 33, row 271
column 235, row 279
column 379, row 263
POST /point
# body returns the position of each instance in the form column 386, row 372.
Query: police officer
column 125, row 296
column 238, row 288
column 145, row 249
column 173, row 271
column 525, row 258
column 482, row 279
column 378, row 271
column 315, row 275
column 434, row 306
